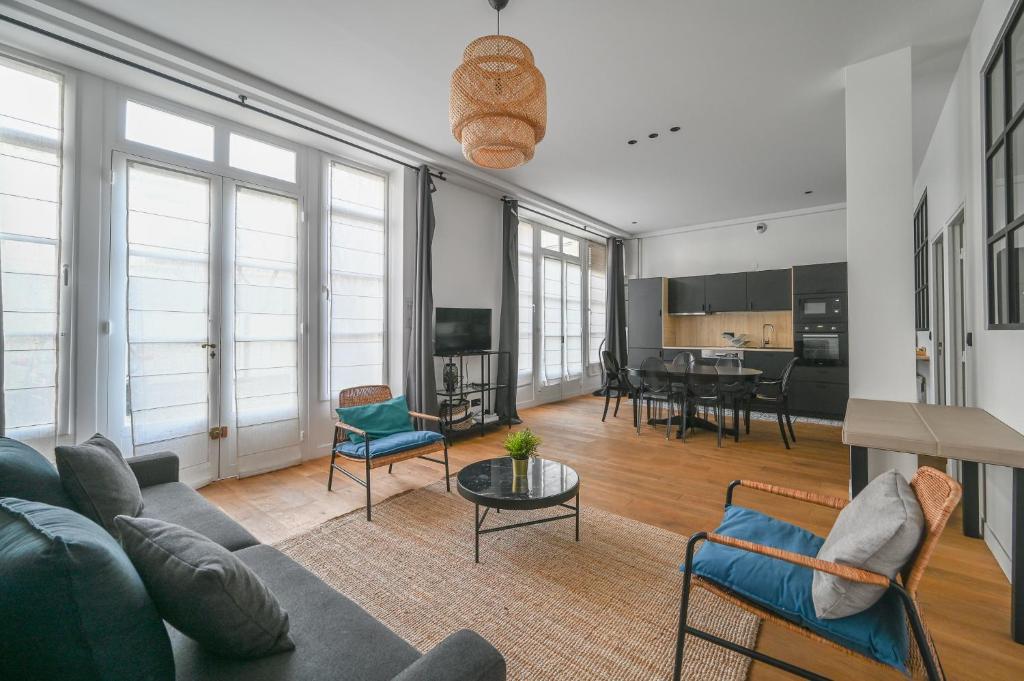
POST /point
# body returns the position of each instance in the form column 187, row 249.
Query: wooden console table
column 968, row 434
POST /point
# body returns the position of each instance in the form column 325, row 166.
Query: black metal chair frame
column 647, row 393
column 780, row 401
column 692, row 396
column 931, row 664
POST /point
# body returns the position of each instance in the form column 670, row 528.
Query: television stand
column 457, row 405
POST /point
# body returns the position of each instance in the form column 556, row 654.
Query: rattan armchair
column 370, row 394
column 938, row 495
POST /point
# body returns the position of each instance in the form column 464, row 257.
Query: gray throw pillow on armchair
column 204, row 590
column 878, row 531
column 99, row 481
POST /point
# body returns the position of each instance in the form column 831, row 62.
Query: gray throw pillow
column 878, row 531
column 99, row 481
column 204, row 590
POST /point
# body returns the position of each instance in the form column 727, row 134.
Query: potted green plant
column 521, row 445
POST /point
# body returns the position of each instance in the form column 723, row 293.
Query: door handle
column 212, row 347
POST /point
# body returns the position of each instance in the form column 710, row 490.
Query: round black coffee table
column 492, row 484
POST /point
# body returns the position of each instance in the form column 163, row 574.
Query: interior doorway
column 939, row 315
column 958, row 306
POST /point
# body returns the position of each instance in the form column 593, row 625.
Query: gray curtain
column 420, row 383
column 615, row 312
column 508, row 325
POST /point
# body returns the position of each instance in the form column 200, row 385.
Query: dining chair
column 655, row 386
column 735, row 393
column 774, row 392
column 614, row 381
column 702, row 389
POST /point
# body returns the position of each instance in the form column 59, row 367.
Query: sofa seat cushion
column 880, row 632
column 334, row 638
column 176, row 502
column 26, row 474
column 390, row 444
column 73, row 607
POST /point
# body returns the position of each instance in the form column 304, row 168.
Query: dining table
column 727, row 374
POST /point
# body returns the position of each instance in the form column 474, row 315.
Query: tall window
column 921, row 264
column 561, row 309
column 358, row 267
column 31, row 138
column 1004, row 176
column 525, row 304
column 597, row 267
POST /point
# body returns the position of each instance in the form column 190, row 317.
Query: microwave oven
column 820, row 307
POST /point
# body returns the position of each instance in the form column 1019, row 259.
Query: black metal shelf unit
column 486, row 392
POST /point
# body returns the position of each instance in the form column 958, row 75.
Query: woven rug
column 605, row 609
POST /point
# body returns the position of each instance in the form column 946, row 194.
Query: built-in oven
column 820, row 307
column 822, row 345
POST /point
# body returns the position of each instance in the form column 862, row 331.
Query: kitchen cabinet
column 803, row 372
column 643, row 313
column 818, row 398
column 769, row 290
column 771, row 363
column 636, row 356
column 824, row 278
column 686, row 295
column 726, row 292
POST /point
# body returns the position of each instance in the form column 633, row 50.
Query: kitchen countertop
column 727, row 347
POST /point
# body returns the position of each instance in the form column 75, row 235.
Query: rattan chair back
column 938, row 495
column 363, row 394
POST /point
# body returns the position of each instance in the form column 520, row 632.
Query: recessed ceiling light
column 653, row 135
column 674, row 128
column 631, row 142
column 809, row 191
column 634, row 222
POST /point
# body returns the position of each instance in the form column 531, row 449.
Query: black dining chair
column 702, row 389
column 735, row 393
column 614, row 382
column 774, row 392
column 655, row 387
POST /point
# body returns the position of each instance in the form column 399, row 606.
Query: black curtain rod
column 242, row 100
column 552, row 217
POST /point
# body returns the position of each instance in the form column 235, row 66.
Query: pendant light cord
column 498, row 12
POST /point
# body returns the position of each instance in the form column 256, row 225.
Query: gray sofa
column 335, row 639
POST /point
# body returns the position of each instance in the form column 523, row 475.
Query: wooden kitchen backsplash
column 702, row 331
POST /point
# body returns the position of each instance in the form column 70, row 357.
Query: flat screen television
column 461, row 329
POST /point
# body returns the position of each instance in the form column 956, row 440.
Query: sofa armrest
column 154, row 469
column 463, row 656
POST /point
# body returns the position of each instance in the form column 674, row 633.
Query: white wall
column 804, row 238
column 952, row 174
column 879, row 250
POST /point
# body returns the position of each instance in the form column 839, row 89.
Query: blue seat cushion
column 880, row 632
column 389, row 444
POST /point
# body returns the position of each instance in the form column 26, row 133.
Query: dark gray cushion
column 335, row 639
column 72, row 607
column 204, row 590
column 178, row 503
column 26, row 474
column 98, row 480
column 878, row 531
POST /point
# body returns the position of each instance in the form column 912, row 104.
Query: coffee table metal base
column 479, row 523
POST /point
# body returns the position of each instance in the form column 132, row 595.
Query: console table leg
column 858, row 469
column 476, row 534
column 577, row 516
column 971, row 499
column 1017, row 559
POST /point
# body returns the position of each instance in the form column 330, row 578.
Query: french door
column 204, row 282
column 561, row 323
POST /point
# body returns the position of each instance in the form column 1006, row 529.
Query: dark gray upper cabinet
column 686, row 295
column 726, row 292
column 769, row 290
column 643, row 313
column 825, row 278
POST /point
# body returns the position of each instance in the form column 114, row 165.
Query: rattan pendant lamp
column 498, row 107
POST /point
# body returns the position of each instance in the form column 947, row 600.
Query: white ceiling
column 756, row 85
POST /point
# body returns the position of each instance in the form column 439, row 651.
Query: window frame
column 326, row 161
column 994, row 141
column 594, row 368
column 921, row 307
column 67, row 270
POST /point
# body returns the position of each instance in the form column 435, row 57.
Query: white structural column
column 879, row 241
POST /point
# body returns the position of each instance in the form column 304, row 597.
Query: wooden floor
column 680, row 487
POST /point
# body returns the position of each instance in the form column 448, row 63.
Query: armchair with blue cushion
column 766, row 566
column 377, row 430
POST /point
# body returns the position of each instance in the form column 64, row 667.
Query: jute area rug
column 605, row 609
